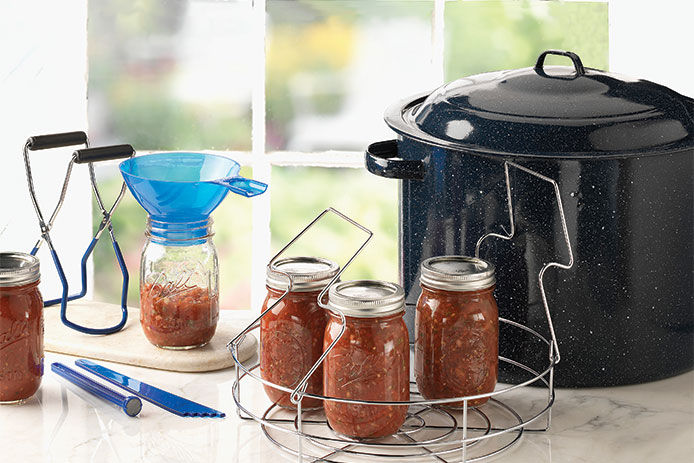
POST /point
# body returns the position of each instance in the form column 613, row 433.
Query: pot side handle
column 382, row 160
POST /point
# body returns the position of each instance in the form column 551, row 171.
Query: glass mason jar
column 456, row 329
column 21, row 327
column 371, row 361
column 291, row 334
column 179, row 284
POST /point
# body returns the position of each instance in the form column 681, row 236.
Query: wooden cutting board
column 130, row 346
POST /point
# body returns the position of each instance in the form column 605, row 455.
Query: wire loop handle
column 554, row 348
column 300, row 389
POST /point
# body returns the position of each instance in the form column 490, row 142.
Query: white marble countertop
column 652, row 422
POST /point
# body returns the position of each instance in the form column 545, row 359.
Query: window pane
column 232, row 226
column 300, row 193
column 170, row 74
column 129, row 222
column 487, row 36
column 333, row 67
column 42, row 90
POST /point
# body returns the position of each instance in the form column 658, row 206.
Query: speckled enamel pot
column 622, row 152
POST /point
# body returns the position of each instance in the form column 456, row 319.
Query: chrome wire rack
column 434, row 429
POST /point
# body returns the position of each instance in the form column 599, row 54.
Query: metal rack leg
column 550, row 389
column 464, row 460
column 300, row 448
column 238, row 378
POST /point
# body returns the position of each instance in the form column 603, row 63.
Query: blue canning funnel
column 184, row 187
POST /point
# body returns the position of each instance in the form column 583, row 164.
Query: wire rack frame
column 432, row 430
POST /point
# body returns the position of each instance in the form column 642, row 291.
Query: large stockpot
column 622, row 153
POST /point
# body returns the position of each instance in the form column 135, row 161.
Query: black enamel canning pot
column 622, row 153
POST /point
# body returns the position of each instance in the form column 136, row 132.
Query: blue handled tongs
column 81, row 156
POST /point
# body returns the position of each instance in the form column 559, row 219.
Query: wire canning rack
column 433, row 430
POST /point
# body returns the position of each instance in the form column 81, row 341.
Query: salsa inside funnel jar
column 371, row 361
column 178, row 317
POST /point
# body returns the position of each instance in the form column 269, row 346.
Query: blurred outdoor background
column 183, row 75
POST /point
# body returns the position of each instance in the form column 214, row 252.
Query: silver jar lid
column 457, row 273
column 308, row 273
column 367, row 298
column 18, row 268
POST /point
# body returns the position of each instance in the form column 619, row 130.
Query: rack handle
column 56, row 140
column 233, row 345
column 103, row 153
column 554, row 346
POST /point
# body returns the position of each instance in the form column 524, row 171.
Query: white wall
column 43, row 88
column 653, row 40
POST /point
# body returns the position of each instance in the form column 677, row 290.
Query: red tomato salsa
column 456, row 344
column 178, row 318
column 21, row 342
column 370, row 362
column 291, row 341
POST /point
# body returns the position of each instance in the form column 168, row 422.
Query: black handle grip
column 382, row 160
column 56, row 140
column 103, row 153
column 578, row 65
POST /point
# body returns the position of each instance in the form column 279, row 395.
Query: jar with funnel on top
column 179, row 278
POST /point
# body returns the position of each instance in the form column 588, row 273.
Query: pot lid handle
column 578, row 65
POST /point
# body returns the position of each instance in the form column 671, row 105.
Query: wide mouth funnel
column 184, row 187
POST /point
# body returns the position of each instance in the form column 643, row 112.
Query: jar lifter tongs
column 81, row 156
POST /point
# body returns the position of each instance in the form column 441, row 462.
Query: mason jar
column 291, row 334
column 21, row 327
column 371, row 361
column 179, row 284
column 456, row 329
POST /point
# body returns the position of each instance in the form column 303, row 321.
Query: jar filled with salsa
column 456, row 329
column 371, row 361
column 179, row 294
column 21, row 327
column 291, row 334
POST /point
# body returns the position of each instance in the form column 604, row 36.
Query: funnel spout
column 242, row 186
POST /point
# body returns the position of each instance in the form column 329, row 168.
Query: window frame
column 262, row 161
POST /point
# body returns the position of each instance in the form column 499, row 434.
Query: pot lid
column 549, row 111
